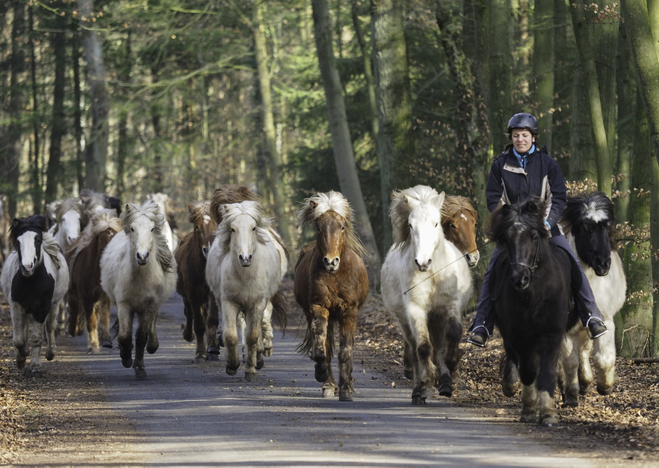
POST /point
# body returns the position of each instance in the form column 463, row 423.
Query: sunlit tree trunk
column 543, row 67
column 500, row 70
column 77, row 112
column 122, row 144
column 341, row 143
column 35, row 170
column 564, row 71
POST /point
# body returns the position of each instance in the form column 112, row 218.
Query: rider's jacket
column 542, row 177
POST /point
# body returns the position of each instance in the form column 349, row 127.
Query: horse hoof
column 528, row 418
column 152, row 348
column 199, row 359
column 409, row 374
column 509, row 390
column 91, row 351
column 259, row 364
column 212, row 349
column 584, row 388
column 603, row 390
column 250, row 376
column 20, row 363
column 445, row 390
column 549, row 420
column 231, row 371
column 571, row 403
column 188, row 336
column 213, row 357
column 107, row 344
column 345, row 396
column 128, row 362
column 36, row 373
column 321, row 375
column 267, row 352
column 328, row 392
column 418, row 401
column 140, row 373
column 50, row 355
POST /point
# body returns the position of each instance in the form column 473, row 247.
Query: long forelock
column 401, row 208
column 456, row 204
column 593, row 208
column 228, row 194
column 150, row 210
column 71, row 204
column 233, row 210
column 17, row 228
column 502, row 220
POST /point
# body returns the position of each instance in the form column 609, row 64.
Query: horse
column 191, row 279
column 588, row 223
column 138, row 273
column 69, row 221
column 85, row 292
column 34, row 280
column 530, row 286
column 163, row 200
column 331, row 285
column 244, row 271
column 459, row 219
column 426, row 286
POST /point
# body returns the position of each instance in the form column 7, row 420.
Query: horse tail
column 280, row 309
column 307, row 343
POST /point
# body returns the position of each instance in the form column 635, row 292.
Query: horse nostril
column 326, row 261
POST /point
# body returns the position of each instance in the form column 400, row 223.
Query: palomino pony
column 244, row 271
column 85, row 292
column 34, row 280
column 331, row 284
column 588, row 223
column 426, row 286
column 530, row 289
column 459, row 219
column 191, row 282
column 138, row 273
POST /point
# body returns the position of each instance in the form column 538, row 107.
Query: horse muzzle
column 27, row 272
column 521, row 279
column 423, row 266
column 245, row 260
column 472, row 259
column 602, row 268
column 142, row 259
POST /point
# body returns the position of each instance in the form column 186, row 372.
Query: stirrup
column 598, row 328
column 478, row 338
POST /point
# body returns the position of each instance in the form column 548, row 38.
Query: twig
column 645, row 360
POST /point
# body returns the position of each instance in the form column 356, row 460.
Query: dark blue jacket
column 542, row 177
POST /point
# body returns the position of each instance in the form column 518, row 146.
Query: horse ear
column 128, row 207
column 190, row 208
column 313, row 204
column 440, row 200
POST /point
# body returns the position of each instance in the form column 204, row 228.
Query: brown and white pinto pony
column 85, row 293
column 459, row 219
column 34, row 280
column 191, row 283
column 331, row 284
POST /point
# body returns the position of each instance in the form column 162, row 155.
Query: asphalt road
column 196, row 415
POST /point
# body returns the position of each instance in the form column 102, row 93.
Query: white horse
column 588, row 222
column 243, row 270
column 34, row 280
column 138, row 273
column 172, row 239
column 426, row 287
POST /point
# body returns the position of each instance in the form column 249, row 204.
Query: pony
column 85, row 292
column 191, row 278
column 138, row 273
column 244, row 271
column 69, row 221
column 588, row 223
column 331, row 285
column 34, row 280
column 530, row 286
column 459, row 219
column 426, row 286
column 163, row 200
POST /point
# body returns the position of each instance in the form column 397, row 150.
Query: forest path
column 188, row 414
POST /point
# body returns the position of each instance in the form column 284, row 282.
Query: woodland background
column 293, row 97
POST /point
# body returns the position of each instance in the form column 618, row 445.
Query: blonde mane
column 51, row 247
column 402, row 204
column 229, row 194
column 151, row 210
column 456, row 204
column 314, row 207
column 104, row 219
column 231, row 212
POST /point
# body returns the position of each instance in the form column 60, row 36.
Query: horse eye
column 132, row 230
column 436, row 224
column 254, row 228
column 452, row 226
column 233, row 230
column 343, row 228
column 152, row 229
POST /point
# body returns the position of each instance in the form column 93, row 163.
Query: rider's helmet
column 523, row 120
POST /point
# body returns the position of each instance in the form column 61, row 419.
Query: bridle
column 536, row 259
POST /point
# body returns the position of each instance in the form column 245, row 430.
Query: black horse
column 530, row 285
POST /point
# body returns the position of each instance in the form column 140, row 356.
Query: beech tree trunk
column 500, row 70
column 543, row 67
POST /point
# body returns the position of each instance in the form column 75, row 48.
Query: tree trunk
column 96, row 156
column 342, row 145
column 58, row 125
column 564, row 71
column 77, row 112
column 394, row 102
column 122, row 144
column 501, row 81
column 582, row 161
column 268, row 120
column 523, row 47
column 589, row 71
column 35, row 174
column 543, row 67
column 158, row 171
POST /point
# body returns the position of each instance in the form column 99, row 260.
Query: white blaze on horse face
column 243, row 238
column 425, row 231
column 70, row 226
column 27, row 244
column 141, row 238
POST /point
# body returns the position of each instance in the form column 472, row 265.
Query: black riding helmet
column 523, row 120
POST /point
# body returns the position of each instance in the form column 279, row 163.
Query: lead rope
column 446, row 266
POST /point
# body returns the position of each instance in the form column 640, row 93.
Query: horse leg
column 450, row 358
column 329, row 387
column 104, row 320
column 318, row 324
column 200, row 332
column 570, row 370
column 125, row 336
column 74, row 311
column 347, row 329
column 212, row 322
column 36, row 339
column 254, row 319
column 141, row 337
column 425, row 377
column 91, row 312
column 51, row 332
column 150, row 318
column 546, row 381
column 510, row 375
column 585, row 372
column 605, row 360
column 20, row 324
column 62, row 316
column 408, row 361
column 230, row 333
column 528, row 373
column 188, row 311
column 267, row 332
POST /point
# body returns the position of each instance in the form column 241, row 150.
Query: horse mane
column 231, row 212
column 90, row 199
column 104, row 219
column 314, row 207
column 226, row 194
column 455, row 204
column 37, row 223
column 578, row 209
column 530, row 213
column 70, row 204
column 197, row 210
column 402, row 204
column 151, row 210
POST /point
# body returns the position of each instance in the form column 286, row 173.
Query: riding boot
column 483, row 324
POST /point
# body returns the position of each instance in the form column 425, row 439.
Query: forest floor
column 623, row 425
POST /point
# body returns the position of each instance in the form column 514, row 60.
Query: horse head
column 459, row 225
column 26, row 236
column 520, row 230
column 590, row 220
column 199, row 216
column 70, row 218
column 242, row 227
column 141, row 224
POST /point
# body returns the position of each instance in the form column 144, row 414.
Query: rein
column 536, row 258
column 446, row 266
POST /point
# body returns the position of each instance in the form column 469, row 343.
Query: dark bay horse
column 459, row 219
column 191, row 282
column 530, row 289
column 331, row 284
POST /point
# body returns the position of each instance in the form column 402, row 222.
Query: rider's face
column 522, row 140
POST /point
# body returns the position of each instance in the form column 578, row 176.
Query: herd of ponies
column 67, row 269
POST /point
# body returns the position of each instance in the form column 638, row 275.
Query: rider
column 520, row 172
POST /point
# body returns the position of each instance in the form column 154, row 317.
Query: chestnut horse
column 459, row 219
column 85, row 292
column 331, row 284
column 191, row 283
